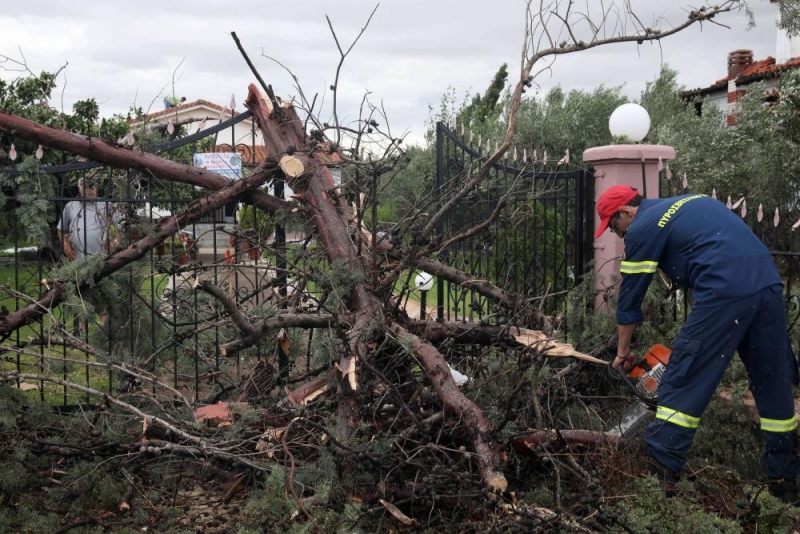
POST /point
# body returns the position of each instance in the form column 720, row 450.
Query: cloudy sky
column 132, row 53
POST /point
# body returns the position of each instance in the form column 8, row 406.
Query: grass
column 460, row 300
column 57, row 361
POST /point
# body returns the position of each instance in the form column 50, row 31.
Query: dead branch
column 272, row 324
column 342, row 56
column 528, row 442
column 480, row 428
column 230, row 307
column 530, row 316
column 552, row 48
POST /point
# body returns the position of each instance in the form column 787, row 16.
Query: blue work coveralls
column 738, row 306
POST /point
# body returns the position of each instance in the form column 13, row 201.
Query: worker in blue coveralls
column 738, row 306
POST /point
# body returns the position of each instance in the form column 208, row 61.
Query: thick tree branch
column 273, row 324
column 102, row 151
column 230, row 307
column 531, row 317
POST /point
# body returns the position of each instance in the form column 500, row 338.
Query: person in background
column 172, row 101
column 81, row 229
column 738, row 306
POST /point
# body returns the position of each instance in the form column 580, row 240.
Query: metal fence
column 147, row 315
column 538, row 245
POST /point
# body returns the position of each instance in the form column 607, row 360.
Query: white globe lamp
column 423, row 281
column 630, row 121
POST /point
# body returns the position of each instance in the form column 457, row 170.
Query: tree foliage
column 756, row 158
column 486, row 108
column 789, row 16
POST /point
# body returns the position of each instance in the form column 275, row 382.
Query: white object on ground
column 460, row 379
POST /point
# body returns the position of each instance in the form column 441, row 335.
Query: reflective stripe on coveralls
column 687, row 421
column 638, row 267
column 775, row 425
column 677, row 418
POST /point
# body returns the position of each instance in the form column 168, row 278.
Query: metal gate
column 148, row 316
column 538, row 246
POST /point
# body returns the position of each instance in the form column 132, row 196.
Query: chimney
column 738, row 60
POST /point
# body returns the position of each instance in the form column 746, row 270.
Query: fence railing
column 537, row 246
column 146, row 315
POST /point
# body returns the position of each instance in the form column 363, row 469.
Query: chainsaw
column 643, row 380
column 645, row 376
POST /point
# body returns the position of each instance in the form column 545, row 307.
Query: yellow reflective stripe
column 677, row 418
column 638, row 267
column 779, row 425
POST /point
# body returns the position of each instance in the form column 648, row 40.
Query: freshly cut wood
column 551, row 348
column 292, row 166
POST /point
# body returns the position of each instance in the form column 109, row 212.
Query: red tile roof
column 757, row 70
column 247, row 152
column 765, row 69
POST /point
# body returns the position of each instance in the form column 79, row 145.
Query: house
column 202, row 114
column 243, row 138
column 743, row 71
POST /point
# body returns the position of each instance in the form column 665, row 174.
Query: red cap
column 610, row 202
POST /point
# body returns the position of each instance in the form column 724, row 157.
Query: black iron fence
column 148, row 315
column 538, row 245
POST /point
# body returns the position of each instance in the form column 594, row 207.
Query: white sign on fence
column 228, row 164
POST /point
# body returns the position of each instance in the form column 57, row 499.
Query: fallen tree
column 384, row 393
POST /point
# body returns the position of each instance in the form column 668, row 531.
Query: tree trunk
column 283, row 134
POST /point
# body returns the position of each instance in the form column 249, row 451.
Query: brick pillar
column 633, row 165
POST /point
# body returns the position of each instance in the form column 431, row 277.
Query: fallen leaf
column 395, row 511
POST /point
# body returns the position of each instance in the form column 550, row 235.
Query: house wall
column 241, row 133
column 786, row 47
column 718, row 100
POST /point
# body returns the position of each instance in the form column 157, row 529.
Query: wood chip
column 400, row 516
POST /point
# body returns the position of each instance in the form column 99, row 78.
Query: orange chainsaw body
column 646, row 374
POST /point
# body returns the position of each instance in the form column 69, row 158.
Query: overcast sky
column 126, row 53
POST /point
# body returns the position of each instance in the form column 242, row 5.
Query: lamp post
column 631, row 122
column 424, row 282
column 630, row 161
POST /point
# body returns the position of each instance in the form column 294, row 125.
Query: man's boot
column 785, row 490
column 668, row 479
